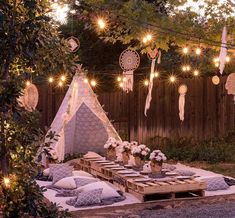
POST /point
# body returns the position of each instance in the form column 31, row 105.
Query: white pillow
column 46, row 172
column 107, row 192
column 81, row 173
column 68, row 182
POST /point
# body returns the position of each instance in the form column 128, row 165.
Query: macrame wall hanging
column 230, row 85
column 152, row 54
column 29, row 99
column 182, row 91
column 74, row 43
column 129, row 61
column 223, row 51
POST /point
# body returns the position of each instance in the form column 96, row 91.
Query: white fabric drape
column 223, row 51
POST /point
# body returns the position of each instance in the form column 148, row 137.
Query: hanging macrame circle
column 29, row 99
column 215, row 80
column 230, row 84
column 129, row 60
column 74, row 43
column 182, row 89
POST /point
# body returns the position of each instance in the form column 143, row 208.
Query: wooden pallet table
column 144, row 189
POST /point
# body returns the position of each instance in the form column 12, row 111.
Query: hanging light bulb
column 172, row 79
column 121, row 85
column 6, row 181
column 63, row 78
column 227, row 59
column 184, row 68
column 198, row 51
column 50, row 79
column 145, row 40
column 101, row 23
column 156, row 74
column 59, row 12
column 85, row 80
column 185, row 50
column 149, row 37
column 119, row 79
column 195, row 72
column 188, row 68
column 28, row 83
column 217, row 64
column 216, row 60
column 60, row 84
column 93, row 83
column 146, row 82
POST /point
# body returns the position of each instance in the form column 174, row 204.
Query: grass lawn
column 227, row 169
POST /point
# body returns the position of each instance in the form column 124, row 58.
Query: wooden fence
column 209, row 111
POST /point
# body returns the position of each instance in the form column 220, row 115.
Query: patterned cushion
column 54, row 167
column 215, row 183
column 185, row 172
column 84, row 181
column 86, row 198
column 168, row 166
column 60, row 172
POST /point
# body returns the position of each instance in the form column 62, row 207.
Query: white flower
column 144, row 153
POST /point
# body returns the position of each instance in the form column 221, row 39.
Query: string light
column 93, row 83
column 63, row 78
column 124, row 79
column 172, row 79
column 146, row 82
column 121, row 85
column 217, row 64
column 28, row 83
column 50, row 79
column 216, row 60
column 196, row 73
column 156, row 74
column 185, row 50
column 86, row 80
column 227, row 59
column 184, row 68
column 119, row 79
column 101, row 23
column 60, row 84
column 6, row 181
column 59, row 12
column 198, row 51
column 188, row 68
column 147, row 38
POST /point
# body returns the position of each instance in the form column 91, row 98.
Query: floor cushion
column 60, row 171
column 107, row 192
column 214, row 183
column 183, row 172
column 81, row 173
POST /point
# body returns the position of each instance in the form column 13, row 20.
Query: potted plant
column 111, row 146
column 157, row 158
column 140, row 153
column 125, row 150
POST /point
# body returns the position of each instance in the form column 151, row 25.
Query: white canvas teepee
column 81, row 121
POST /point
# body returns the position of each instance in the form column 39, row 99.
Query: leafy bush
column 187, row 149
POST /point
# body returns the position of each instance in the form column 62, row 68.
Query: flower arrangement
column 126, row 147
column 158, row 157
column 134, row 143
column 140, row 151
column 111, row 143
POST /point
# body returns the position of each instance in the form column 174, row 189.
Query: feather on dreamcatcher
column 129, row 61
column 152, row 54
column 182, row 91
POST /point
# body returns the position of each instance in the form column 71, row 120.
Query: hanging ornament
column 152, row 54
column 129, row 61
column 182, row 91
column 215, row 80
column 230, row 85
column 29, row 99
column 223, row 51
column 74, row 43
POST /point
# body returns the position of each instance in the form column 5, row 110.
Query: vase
column 139, row 162
column 111, row 154
column 156, row 168
column 125, row 158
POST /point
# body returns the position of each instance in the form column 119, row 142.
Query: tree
column 30, row 45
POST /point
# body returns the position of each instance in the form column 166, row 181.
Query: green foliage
column 186, row 149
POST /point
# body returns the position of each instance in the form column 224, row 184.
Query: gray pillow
column 215, row 183
column 54, row 167
column 185, row 172
column 60, row 171
column 168, row 166
column 86, row 198
column 84, row 181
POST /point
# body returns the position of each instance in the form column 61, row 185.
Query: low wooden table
column 144, row 188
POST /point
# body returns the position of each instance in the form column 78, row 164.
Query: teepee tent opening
column 81, row 123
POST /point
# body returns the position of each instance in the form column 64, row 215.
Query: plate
column 171, row 174
column 183, row 177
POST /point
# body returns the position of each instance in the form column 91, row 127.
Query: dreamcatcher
column 152, row 54
column 129, row 61
column 230, row 85
column 74, row 43
column 29, row 99
column 182, row 91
